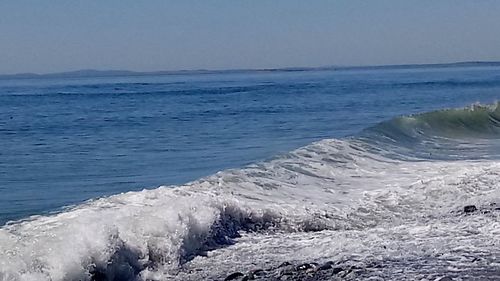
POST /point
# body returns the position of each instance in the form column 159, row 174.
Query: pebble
column 236, row 276
column 470, row 209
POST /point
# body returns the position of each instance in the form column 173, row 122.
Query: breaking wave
column 449, row 134
column 338, row 185
column 476, row 121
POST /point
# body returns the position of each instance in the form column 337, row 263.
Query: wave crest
column 476, row 121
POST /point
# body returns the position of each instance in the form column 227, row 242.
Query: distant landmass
column 114, row 73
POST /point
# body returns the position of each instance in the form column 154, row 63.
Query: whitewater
column 392, row 195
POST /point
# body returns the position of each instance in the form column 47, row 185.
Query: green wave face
column 466, row 133
column 476, row 121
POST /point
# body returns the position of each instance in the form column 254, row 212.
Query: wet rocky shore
column 333, row 271
column 305, row 271
column 426, row 269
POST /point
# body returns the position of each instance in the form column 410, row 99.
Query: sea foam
column 333, row 198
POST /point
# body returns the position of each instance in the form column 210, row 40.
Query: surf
column 406, row 171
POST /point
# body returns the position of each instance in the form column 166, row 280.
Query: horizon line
column 117, row 72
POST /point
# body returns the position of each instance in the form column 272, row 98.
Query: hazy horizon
column 299, row 68
column 189, row 35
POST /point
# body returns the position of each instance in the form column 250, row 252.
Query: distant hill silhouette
column 113, row 73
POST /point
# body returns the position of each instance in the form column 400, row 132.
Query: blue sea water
column 196, row 176
column 68, row 140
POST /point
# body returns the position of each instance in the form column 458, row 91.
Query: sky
column 64, row 35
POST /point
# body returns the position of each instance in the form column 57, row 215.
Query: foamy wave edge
column 136, row 233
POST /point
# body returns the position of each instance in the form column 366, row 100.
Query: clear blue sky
column 59, row 35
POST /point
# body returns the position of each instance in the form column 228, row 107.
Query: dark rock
column 236, row 276
column 470, row 209
column 337, row 270
column 326, row 265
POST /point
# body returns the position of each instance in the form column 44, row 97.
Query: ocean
column 197, row 176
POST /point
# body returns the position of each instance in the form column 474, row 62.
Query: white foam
column 355, row 199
